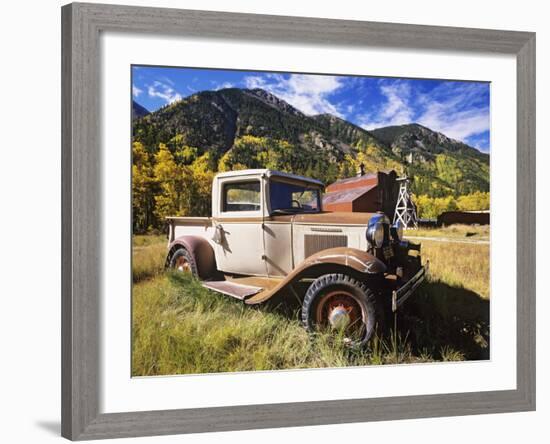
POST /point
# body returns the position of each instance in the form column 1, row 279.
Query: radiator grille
column 317, row 242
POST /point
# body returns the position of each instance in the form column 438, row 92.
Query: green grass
column 179, row 327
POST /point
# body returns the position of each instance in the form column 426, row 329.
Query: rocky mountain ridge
column 215, row 121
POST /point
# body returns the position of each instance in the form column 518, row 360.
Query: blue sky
column 457, row 109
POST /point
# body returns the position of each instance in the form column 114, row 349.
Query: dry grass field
column 148, row 255
column 459, row 265
column 179, row 327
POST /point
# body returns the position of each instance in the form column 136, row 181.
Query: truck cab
column 253, row 213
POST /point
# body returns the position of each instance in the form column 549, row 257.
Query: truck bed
column 183, row 220
column 179, row 226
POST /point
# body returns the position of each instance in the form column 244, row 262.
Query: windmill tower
column 405, row 211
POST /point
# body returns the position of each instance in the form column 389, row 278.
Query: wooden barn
column 364, row 193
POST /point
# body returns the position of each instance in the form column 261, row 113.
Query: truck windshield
column 293, row 198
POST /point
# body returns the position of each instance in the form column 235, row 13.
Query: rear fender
column 200, row 249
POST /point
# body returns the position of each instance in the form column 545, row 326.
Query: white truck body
column 257, row 242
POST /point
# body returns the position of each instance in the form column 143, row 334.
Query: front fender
column 340, row 258
column 360, row 261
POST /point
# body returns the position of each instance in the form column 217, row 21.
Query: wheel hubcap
column 339, row 310
column 182, row 265
column 339, row 318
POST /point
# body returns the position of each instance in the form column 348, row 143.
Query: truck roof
column 269, row 173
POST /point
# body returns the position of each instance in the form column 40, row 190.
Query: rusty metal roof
column 348, row 195
column 355, row 179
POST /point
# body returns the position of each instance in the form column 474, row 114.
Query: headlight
column 397, row 231
column 375, row 234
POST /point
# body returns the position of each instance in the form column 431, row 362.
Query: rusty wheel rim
column 182, row 265
column 340, row 310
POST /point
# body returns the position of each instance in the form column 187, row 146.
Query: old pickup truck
column 269, row 236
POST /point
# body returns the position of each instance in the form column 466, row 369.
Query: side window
column 241, row 196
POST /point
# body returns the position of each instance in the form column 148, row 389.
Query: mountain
column 138, row 110
column 437, row 161
column 252, row 127
column 341, row 129
column 420, row 143
column 212, row 120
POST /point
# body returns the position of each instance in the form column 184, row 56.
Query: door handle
column 217, row 237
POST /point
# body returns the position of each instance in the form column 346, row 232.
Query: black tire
column 337, row 288
column 183, row 261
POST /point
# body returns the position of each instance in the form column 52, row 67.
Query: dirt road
column 450, row 239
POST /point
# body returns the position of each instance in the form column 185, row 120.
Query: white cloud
column 136, row 91
column 253, row 82
column 224, row 85
column 167, row 81
column 451, row 110
column 164, row 92
column 457, row 125
column 397, row 109
column 457, row 110
column 481, row 142
column 308, row 93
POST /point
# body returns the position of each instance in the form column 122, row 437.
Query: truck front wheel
column 342, row 304
column 184, row 262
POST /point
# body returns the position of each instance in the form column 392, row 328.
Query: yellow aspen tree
column 174, row 183
column 142, row 189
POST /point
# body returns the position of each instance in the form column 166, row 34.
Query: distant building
column 464, row 217
column 364, row 193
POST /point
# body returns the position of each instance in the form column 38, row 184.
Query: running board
column 238, row 291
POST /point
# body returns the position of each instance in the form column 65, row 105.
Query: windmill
column 405, row 211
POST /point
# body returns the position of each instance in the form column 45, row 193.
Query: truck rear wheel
column 342, row 304
column 184, row 262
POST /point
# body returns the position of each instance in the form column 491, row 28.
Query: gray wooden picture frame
column 81, row 231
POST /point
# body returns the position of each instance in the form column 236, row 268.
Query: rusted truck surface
column 269, row 236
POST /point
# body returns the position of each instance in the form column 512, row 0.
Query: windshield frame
column 294, row 210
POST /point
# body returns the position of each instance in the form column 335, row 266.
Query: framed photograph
column 278, row 221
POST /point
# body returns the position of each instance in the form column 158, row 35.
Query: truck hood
column 336, row 218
